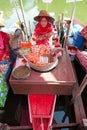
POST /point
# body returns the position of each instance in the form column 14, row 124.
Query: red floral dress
column 4, row 45
column 42, row 31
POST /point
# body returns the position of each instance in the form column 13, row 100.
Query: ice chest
column 6, row 74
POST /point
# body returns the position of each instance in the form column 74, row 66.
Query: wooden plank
column 21, row 128
column 60, row 80
column 80, row 88
column 77, row 110
column 78, row 104
column 68, row 125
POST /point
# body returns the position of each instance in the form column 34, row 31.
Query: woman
column 43, row 29
column 4, row 41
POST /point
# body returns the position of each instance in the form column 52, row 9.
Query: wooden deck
column 60, row 80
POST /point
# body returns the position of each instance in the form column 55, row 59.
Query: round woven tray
column 44, row 67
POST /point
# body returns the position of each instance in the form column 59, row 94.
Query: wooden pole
column 22, row 10
column 73, row 13
column 15, row 5
column 80, row 89
column 67, row 33
column 30, row 29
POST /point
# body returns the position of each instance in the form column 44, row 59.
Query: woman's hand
column 44, row 36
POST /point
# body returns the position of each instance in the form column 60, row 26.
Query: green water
column 57, row 6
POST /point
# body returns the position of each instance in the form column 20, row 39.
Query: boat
column 69, row 101
column 41, row 116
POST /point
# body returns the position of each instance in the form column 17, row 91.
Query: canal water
column 32, row 8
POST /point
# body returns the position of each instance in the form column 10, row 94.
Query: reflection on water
column 31, row 9
column 58, row 116
column 29, row 17
column 29, row 4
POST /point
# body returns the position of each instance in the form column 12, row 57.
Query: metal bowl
column 21, row 72
column 44, row 67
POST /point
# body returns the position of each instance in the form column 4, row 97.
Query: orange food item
column 36, row 52
column 41, row 49
column 25, row 45
column 33, row 57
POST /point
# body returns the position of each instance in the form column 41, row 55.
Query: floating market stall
column 42, row 81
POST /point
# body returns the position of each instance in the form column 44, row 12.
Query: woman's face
column 43, row 22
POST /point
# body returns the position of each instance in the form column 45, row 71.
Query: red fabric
column 86, row 43
column 84, row 32
column 1, row 42
column 5, row 50
column 39, row 30
column 82, row 58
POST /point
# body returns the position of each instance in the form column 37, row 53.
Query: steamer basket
column 44, row 67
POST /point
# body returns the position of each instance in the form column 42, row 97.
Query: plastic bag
column 3, row 90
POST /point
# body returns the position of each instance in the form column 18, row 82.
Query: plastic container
column 72, row 51
column 78, row 40
column 6, row 74
column 3, row 91
column 25, row 45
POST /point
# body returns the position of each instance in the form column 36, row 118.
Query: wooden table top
column 60, row 80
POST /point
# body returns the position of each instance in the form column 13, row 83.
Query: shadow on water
column 62, row 113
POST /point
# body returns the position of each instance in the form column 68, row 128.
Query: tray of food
column 43, row 58
column 44, row 67
column 24, row 51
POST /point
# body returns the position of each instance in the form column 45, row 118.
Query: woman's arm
column 44, row 36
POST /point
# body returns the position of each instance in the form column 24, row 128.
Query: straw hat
column 44, row 13
column 2, row 21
